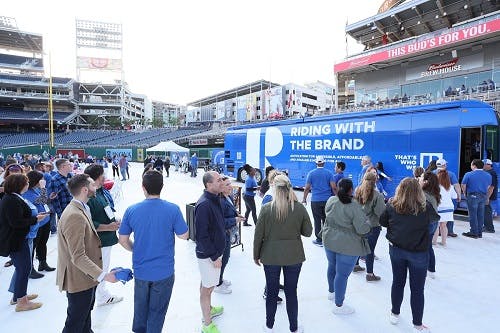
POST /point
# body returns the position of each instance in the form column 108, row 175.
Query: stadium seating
column 97, row 138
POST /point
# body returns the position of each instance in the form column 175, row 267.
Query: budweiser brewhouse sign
column 442, row 68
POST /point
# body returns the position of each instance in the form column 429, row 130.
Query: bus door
column 491, row 143
column 470, row 148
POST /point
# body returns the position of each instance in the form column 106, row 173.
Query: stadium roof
column 417, row 17
column 14, row 39
column 232, row 93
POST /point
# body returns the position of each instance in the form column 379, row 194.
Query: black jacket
column 409, row 232
column 210, row 227
column 15, row 222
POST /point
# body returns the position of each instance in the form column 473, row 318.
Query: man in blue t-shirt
column 476, row 184
column 321, row 184
column 154, row 223
column 194, row 165
column 339, row 174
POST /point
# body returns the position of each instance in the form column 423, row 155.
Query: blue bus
column 401, row 138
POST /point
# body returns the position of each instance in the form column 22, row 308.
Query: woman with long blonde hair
column 373, row 206
column 407, row 218
column 278, row 246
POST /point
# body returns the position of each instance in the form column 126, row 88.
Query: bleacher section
column 10, row 114
column 12, row 77
column 99, row 138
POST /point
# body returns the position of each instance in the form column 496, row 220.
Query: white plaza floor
column 464, row 297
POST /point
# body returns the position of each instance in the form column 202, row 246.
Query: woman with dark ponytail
column 343, row 238
column 249, row 194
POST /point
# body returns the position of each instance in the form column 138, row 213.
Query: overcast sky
column 180, row 51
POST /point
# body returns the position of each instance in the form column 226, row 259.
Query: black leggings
column 115, row 171
column 40, row 242
column 250, row 207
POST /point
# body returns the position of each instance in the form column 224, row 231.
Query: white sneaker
column 266, row 329
column 421, row 329
column 394, row 319
column 227, row 283
column 111, row 300
column 223, row 289
column 331, row 296
column 342, row 310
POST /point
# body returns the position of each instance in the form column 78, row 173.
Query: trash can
column 190, row 221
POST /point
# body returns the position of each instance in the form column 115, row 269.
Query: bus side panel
column 437, row 135
column 235, row 152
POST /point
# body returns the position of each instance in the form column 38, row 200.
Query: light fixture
column 373, row 37
column 444, row 14
column 402, row 28
column 418, row 22
column 437, row 16
column 466, row 6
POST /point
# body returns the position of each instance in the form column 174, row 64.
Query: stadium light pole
column 51, row 107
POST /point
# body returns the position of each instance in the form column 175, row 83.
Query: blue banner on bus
column 400, row 138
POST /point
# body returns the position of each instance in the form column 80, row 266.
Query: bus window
column 491, row 143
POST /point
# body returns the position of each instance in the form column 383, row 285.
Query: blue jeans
column 416, row 263
column 225, row 258
column 319, row 216
column 450, row 224
column 151, row 299
column 123, row 172
column 291, row 274
column 339, row 268
column 22, row 262
column 53, row 223
column 475, row 205
column 432, row 258
column 372, row 241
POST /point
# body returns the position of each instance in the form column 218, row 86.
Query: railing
column 487, row 96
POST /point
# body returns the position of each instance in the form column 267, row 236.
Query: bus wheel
column 242, row 175
column 258, row 176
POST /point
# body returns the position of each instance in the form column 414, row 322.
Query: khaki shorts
column 209, row 274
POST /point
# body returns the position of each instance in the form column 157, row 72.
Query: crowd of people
column 347, row 223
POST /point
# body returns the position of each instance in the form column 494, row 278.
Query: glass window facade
column 433, row 90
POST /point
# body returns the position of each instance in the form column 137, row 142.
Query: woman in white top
column 445, row 208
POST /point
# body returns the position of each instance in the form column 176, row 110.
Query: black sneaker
column 469, row 234
column 488, row 231
column 35, row 275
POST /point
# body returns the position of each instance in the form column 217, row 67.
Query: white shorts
column 209, row 274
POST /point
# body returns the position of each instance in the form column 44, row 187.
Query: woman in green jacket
column 278, row 245
column 344, row 241
column 373, row 205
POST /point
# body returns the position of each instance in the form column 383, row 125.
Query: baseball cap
column 320, row 159
column 487, row 161
column 441, row 162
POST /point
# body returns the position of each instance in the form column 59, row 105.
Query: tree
column 157, row 123
column 174, row 121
